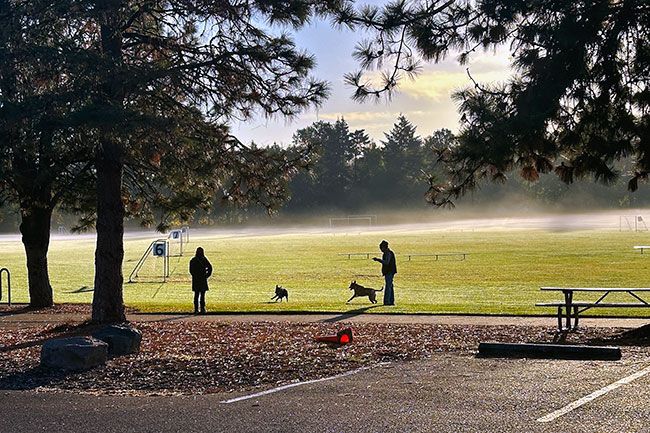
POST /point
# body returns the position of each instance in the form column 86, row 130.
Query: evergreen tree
column 402, row 155
column 328, row 184
column 146, row 96
column 577, row 103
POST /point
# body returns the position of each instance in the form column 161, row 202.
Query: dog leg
column 353, row 296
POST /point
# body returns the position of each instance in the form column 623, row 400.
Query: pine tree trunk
column 108, row 301
column 35, row 228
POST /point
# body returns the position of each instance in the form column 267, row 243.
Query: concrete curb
column 548, row 351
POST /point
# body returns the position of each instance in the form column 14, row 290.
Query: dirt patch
column 208, row 357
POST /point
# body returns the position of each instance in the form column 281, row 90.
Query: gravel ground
column 179, row 358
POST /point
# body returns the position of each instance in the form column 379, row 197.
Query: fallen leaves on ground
column 207, row 357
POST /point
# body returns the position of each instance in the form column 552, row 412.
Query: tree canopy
column 578, row 100
column 139, row 94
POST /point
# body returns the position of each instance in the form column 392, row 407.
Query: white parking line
column 293, row 385
column 594, row 395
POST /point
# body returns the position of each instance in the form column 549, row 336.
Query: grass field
column 502, row 274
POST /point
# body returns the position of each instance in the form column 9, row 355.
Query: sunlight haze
column 425, row 101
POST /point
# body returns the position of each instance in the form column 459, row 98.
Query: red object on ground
column 344, row 336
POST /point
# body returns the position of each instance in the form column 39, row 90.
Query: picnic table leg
column 568, row 298
column 575, row 317
column 559, row 319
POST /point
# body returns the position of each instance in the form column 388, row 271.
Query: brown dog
column 359, row 290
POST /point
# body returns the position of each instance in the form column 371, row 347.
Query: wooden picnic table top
column 597, row 289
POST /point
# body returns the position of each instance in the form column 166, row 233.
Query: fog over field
column 410, row 221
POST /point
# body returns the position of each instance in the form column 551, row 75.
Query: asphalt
column 450, row 392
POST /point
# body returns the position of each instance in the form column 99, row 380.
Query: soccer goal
column 154, row 263
column 353, row 221
column 634, row 223
column 185, row 233
column 177, row 242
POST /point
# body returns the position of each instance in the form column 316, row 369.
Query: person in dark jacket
column 388, row 270
column 200, row 269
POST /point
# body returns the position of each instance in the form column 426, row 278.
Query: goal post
column 177, row 241
column 149, row 265
column 351, row 221
column 373, row 218
column 185, row 232
column 634, row 223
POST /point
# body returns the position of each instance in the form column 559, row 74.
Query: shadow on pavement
column 348, row 314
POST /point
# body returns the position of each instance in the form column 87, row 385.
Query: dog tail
column 382, row 289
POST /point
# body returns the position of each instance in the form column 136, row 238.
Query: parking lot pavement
column 447, row 393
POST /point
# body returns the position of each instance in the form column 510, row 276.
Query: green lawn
column 502, row 274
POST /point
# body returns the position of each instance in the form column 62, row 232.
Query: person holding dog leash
column 388, row 270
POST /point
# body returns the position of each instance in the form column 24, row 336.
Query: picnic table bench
column 642, row 247
column 461, row 256
column 356, row 254
column 570, row 309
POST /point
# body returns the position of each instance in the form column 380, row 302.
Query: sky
column 425, row 101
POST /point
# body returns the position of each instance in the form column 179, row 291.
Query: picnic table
column 642, row 247
column 571, row 309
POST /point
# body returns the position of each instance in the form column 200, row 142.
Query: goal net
column 177, row 242
column 153, row 265
column 634, row 223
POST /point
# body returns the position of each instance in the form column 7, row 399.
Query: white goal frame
column 352, row 221
column 634, row 223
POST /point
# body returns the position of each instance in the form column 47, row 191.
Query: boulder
column 121, row 339
column 76, row 353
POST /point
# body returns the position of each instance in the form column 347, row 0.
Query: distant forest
column 350, row 173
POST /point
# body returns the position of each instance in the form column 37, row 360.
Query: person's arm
column 208, row 269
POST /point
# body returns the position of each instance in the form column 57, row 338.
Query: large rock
column 121, row 339
column 76, row 353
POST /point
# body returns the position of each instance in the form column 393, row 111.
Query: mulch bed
column 209, row 357
column 81, row 309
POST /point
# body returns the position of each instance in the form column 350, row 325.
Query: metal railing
column 3, row 270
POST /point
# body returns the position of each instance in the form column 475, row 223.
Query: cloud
column 358, row 116
column 438, row 86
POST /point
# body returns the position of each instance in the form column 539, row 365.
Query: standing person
column 200, row 269
column 388, row 270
